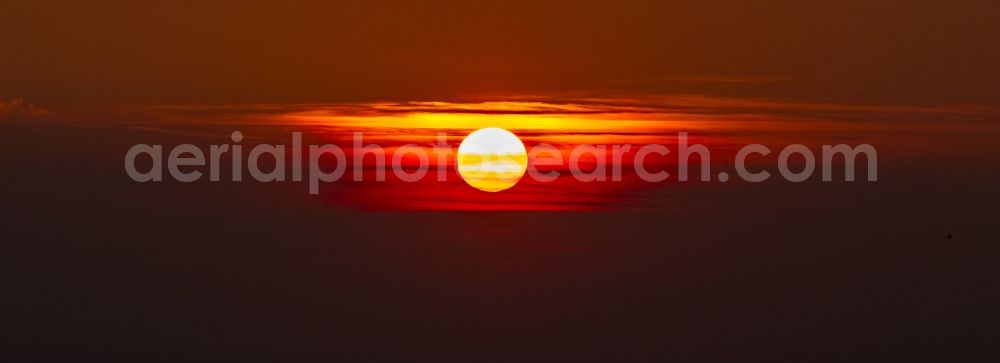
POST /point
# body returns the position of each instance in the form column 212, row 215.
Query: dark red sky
column 122, row 52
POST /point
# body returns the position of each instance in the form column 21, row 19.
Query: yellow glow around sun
column 491, row 159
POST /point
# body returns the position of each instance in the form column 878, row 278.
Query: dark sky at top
column 127, row 52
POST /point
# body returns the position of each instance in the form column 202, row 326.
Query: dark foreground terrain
column 96, row 266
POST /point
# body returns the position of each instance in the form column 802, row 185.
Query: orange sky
column 60, row 54
column 567, row 73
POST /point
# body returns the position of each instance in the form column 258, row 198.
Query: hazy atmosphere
column 170, row 189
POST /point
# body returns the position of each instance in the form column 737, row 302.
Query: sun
column 491, row 159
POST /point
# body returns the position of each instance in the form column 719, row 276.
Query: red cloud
column 17, row 109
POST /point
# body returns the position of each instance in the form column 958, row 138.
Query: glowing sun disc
column 491, row 159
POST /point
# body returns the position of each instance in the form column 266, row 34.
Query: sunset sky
column 123, row 52
column 99, row 266
column 588, row 72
